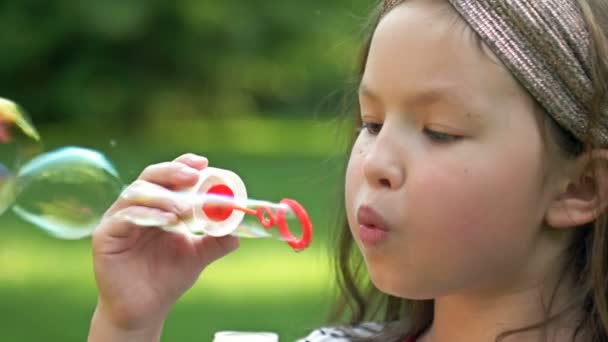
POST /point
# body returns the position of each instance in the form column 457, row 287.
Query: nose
column 383, row 165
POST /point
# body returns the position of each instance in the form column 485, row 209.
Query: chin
column 401, row 286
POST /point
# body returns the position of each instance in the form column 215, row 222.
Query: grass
column 47, row 289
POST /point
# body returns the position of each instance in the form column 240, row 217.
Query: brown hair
column 586, row 257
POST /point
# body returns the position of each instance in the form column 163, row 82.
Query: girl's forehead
column 416, row 27
column 426, row 45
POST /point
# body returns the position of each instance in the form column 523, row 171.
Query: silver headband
column 545, row 44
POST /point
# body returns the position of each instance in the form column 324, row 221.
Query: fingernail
column 187, row 172
column 197, row 159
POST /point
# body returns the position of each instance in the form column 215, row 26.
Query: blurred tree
column 121, row 60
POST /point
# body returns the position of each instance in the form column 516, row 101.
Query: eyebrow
column 424, row 96
column 432, row 95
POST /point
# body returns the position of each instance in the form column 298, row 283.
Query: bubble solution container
column 220, row 206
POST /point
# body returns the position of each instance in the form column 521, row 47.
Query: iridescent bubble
column 19, row 141
column 65, row 192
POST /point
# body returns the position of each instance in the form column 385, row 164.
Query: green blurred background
column 254, row 85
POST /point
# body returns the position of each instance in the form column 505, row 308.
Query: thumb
column 211, row 248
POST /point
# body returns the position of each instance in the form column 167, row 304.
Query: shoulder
column 335, row 334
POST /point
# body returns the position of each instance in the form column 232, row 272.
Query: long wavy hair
column 586, row 256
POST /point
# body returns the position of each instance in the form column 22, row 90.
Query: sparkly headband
column 546, row 46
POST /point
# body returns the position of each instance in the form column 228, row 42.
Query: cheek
column 482, row 197
column 478, row 216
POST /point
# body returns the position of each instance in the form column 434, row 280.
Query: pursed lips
column 370, row 219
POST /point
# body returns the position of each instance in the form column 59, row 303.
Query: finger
column 146, row 217
column 123, row 223
column 146, row 194
column 211, row 248
column 193, row 160
column 170, row 175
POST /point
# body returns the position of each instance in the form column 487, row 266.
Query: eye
column 373, row 128
column 441, row 137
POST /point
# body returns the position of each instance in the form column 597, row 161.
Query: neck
column 475, row 317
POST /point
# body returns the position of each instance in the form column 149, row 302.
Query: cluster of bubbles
column 63, row 192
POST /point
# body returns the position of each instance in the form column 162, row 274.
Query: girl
column 475, row 193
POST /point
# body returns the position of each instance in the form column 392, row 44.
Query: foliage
column 125, row 59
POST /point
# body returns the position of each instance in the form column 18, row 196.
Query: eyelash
column 441, row 137
column 374, row 128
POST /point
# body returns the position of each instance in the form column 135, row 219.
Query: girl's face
column 447, row 183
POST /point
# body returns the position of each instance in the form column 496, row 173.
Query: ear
column 583, row 194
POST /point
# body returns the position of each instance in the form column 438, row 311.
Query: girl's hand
column 141, row 272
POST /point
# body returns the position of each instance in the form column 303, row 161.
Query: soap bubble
column 66, row 192
column 19, row 141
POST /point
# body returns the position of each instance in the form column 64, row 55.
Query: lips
column 372, row 227
column 368, row 217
